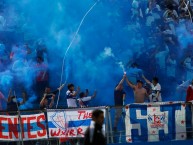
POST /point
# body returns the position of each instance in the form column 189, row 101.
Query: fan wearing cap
column 140, row 93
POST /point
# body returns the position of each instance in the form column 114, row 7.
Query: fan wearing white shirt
column 155, row 95
column 71, row 96
column 84, row 98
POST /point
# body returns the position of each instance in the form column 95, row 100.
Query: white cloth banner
column 69, row 123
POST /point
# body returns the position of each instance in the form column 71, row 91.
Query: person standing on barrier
column 140, row 93
column 189, row 94
column 71, row 96
column 95, row 134
column 119, row 98
column 155, row 95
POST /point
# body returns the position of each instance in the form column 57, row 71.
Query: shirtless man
column 140, row 93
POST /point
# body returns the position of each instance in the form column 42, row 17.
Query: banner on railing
column 156, row 122
column 33, row 127
column 69, row 123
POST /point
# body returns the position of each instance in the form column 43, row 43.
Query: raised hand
column 61, row 87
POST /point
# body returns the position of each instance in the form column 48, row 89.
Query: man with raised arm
column 119, row 98
column 155, row 95
column 140, row 93
column 84, row 98
column 48, row 97
column 13, row 104
column 71, row 96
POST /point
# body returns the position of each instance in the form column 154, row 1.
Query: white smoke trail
column 108, row 53
column 81, row 22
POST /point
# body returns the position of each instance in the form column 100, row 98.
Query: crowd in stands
column 165, row 49
column 162, row 43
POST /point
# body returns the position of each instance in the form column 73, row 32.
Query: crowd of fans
column 164, row 50
column 161, row 44
column 25, row 69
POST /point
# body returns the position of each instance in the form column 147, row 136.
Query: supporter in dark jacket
column 95, row 134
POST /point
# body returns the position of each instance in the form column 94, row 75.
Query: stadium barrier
column 152, row 122
column 147, row 122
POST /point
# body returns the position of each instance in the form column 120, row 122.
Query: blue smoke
column 101, row 53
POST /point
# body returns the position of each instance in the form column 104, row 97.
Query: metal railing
column 115, row 124
column 118, row 134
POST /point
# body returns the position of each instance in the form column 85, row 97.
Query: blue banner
column 157, row 122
